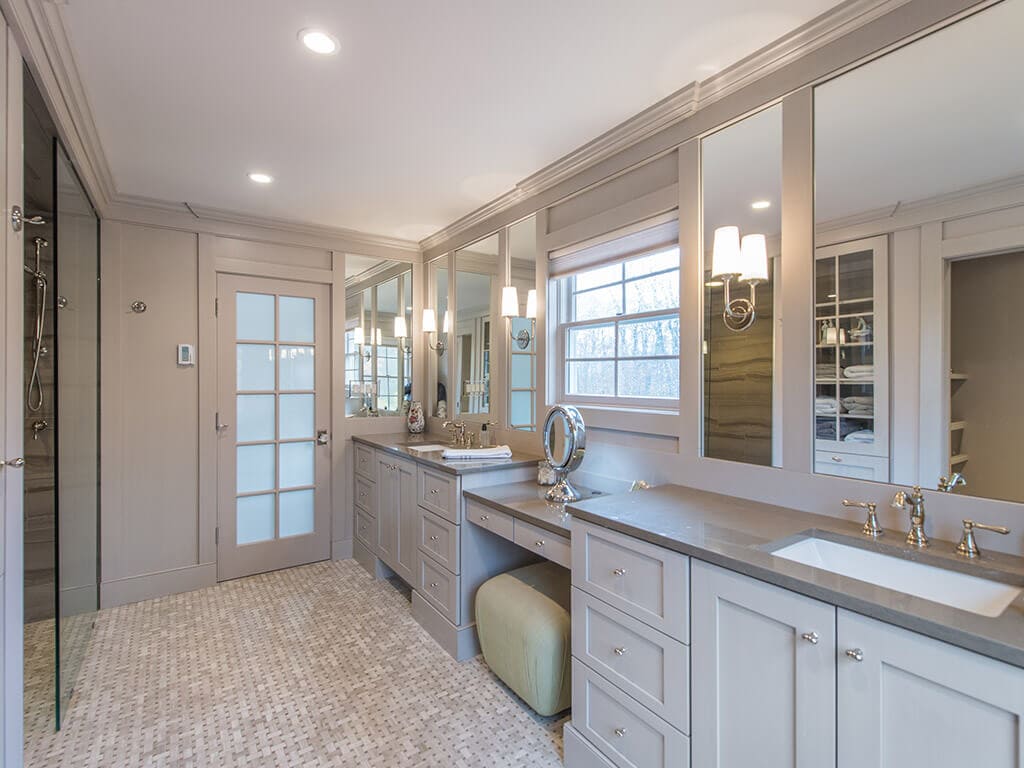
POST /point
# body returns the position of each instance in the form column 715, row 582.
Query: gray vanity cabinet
column 763, row 674
column 397, row 517
column 915, row 702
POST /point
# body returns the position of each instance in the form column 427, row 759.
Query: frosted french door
column 273, row 417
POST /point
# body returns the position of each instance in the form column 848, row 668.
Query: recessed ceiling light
column 260, row 178
column 319, row 41
column 760, row 205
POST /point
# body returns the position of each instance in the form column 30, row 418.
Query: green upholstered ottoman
column 522, row 620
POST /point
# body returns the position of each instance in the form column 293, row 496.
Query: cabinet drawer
column 366, row 494
column 852, row 465
column 628, row 734
column 493, row 521
column 651, row 667
column 439, row 539
column 364, row 462
column 440, row 588
column 366, row 529
column 544, row 543
column 438, row 493
column 647, row 582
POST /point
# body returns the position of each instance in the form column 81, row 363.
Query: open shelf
column 958, row 459
column 957, row 376
column 957, row 426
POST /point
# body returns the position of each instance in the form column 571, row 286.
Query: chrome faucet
column 949, row 484
column 457, row 434
column 915, row 501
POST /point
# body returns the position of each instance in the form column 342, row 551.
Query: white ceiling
column 430, row 109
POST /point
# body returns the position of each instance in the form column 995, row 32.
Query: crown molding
column 680, row 106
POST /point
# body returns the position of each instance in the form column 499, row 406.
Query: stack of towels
column 860, row 436
column 825, row 370
column 826, row 430
column 827, row 406
column 859, row 372
column 860, row 405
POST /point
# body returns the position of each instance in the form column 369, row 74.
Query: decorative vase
column 442, row 410
column 415, row 420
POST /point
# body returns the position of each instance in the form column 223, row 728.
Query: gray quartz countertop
column 399, row 445
column 526, row 501
column 740, row 535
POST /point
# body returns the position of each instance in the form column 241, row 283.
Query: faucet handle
column 968, row 547
column 871, row 527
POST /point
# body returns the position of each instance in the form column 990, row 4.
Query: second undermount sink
column 959, row 590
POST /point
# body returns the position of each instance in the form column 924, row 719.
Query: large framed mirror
column 378, row 350
column 919, row 261
column 741, row 173
column 476, row 309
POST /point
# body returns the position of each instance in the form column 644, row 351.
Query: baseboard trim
column 151, row 585
column 461, row 643
column 341, row 549
column 76, row 600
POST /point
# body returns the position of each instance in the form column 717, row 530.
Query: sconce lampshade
column 531, row 304
column 380, row 337
column 429, row 321
column 754, row 252
column 401, row 331
column 447, row 321
column 509, row 301
column 358, row 336
column 726, row 258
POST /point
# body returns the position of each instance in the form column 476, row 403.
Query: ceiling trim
column 680, row 106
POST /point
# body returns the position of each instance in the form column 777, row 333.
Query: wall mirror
column 378, row 350
column 741, row 172
column 437, row 323
column 476, row 308
column 919, row 262
column 522, row 347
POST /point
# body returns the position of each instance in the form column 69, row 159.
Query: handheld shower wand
column 34, row 396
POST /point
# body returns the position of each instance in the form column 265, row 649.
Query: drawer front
column 438, row 493
column 365, row 463
column 366, row 529
column 440, row 588
column 851, row 465
column 439, row 539
column 545, row 543
column 366, row 494
column 493, row 521
column 651, row 667
column 647, row 582
column 625, row 732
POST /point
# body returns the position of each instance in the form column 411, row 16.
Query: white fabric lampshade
column 531, row 304
column 429, row 321
column 726, row 258
column 380, row 337
column 358, row 336
column 509, row 301
column 401, row 331
column 754, row 251
column 447, row 321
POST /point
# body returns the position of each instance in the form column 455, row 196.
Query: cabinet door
column 914, row 702
column 763, row 674
column 387, row 510
column 404, row 478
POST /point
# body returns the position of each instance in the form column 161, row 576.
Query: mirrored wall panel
column 437, row 323
column 521, row 324
column 378, row 350
column 919, row 262
column 742, row 189
column 477, row 307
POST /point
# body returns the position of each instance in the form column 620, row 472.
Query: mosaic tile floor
column 312, row 666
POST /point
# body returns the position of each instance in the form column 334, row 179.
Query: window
column 619, row 332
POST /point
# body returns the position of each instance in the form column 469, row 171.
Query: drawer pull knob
column 433, row 585
column 619, row 572
column 484, row 518
column 539, row 543
column 433, row 538
column 620, row 732
column 362, row 494
column 434, row 491
column 837, row 459
column 621, row 651
column 856, row 654
column 810, row 637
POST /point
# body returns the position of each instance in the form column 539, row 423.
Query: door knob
column 856, row 654
column 18, row 462
column 810, row 637
column 321, row 437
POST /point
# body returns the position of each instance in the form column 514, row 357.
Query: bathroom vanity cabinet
column 397, row 515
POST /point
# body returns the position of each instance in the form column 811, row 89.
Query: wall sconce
column 510, row 309
column 359, row 337
column 746, row 262
column 430, row 327
column 401, row 334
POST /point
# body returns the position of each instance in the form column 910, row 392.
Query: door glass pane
column 296, row 367
column 255, row 364
column 296, row 513
column 254, row 316
column 296, row 416
column 296, row 464
column 522, row 408
column 296, row 323
column 255, row 418
column 254, row 517
column 255, row 468
column 522, row 371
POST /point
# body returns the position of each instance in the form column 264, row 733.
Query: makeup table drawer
column 439, row 493
column 366, row 494
column 440, row 588
column 439, row 539
column 651, row 667
column 545, row 543
column 645, row 581
column 492, row 520
column 366, row 529
column 364, row 462
column 625, row 732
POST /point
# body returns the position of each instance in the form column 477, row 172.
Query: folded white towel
column 859, row 371
column 855, row 400
column 498, row 452
column 861, row 436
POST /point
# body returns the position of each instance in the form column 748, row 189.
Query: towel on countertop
column 498, row 452
column 860, row 436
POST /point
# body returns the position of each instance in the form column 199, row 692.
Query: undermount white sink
column 959, row 590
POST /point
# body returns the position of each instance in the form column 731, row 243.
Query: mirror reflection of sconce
column 430, row 328
column 366, row 349
column 510, row 309
column 745, row 262
column 401, row 334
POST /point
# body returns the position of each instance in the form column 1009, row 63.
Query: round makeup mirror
column 565, row 442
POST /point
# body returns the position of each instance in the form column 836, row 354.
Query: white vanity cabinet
column 914, row 702
column 763, row 674
column 397, row 515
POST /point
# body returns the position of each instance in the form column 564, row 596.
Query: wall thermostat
column 186, row 355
